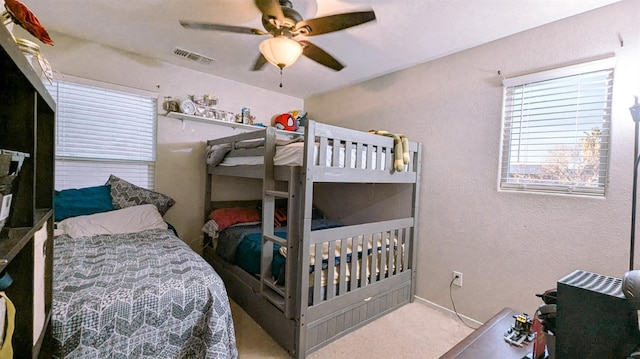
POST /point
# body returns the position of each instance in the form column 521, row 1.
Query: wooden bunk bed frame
column 300, row 317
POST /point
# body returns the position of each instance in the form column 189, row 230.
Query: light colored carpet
column 413, row 331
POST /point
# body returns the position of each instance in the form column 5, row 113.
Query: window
column 556, row 128
column 102, row 131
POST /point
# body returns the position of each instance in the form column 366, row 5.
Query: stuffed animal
column 400, row 148
column 285, row 122
column 300, row 117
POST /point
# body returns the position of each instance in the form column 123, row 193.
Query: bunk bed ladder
column 268, row 287
column 281, row 296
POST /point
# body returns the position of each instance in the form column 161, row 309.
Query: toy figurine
column 520, row 332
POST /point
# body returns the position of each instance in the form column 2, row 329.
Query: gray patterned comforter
column 140, row 295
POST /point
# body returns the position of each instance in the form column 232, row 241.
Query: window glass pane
column 556, row 134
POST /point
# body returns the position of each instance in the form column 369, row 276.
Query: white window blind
column 101, row 131
column 556, row 129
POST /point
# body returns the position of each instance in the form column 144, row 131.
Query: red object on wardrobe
column 22, row 16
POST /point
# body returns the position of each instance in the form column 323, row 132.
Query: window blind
column 556, row 128
column 101, row 131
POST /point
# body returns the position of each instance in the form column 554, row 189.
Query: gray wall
column 509, row 246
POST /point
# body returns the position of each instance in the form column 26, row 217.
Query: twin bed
column 125, row 286
column 312, row 279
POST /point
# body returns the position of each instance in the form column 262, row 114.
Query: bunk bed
column 350, row 274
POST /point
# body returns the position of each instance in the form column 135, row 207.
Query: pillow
column 125, row 194
column 81, row 201
column 280, row 217
column 225, row 217
column 216, row 153
column 127, row 220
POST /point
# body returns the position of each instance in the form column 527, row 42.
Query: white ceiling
column 406, row 33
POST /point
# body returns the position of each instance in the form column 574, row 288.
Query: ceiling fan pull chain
column 281, row 77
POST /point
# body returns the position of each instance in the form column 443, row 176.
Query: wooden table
column 488, row 340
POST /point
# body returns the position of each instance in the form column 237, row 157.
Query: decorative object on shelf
column 188, row 107
column 31, row 51
column 210, row 101
column 170, row 104
column 201, row 105
column 23, row 17
column 207, row 107
column 219, row 115
column 205, row 100
column 218, row 122
column 246, row 115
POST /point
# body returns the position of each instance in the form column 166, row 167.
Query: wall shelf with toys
column 232, row 124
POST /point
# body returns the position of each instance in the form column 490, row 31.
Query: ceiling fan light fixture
column 281, row 51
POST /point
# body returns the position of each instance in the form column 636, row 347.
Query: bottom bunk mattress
column 242, row 245
column 137, row 295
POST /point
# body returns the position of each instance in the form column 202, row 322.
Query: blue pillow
column 81, row 201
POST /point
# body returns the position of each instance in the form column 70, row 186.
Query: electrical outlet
column 457, row 278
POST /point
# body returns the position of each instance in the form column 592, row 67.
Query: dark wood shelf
column 12, row 240
column 27, row 125
column 21, row 62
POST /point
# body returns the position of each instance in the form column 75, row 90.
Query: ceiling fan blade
column 218, row 27
column 260, row 61
column 320, row 56
column 331, row 23
column 271, row 9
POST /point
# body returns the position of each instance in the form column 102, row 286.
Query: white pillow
column 127, row 220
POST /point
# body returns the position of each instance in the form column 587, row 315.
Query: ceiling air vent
column 192, row 56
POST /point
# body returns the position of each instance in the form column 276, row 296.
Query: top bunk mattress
column 293, row 155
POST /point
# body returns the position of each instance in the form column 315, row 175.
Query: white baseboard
column 446, row 310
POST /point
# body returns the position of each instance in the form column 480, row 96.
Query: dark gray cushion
column 125, row 194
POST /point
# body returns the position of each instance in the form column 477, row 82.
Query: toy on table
column 520, row 332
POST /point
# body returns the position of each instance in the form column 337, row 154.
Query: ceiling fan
column 283, row 23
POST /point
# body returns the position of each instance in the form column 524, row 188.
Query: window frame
column 505, row 182
column 97, row 168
